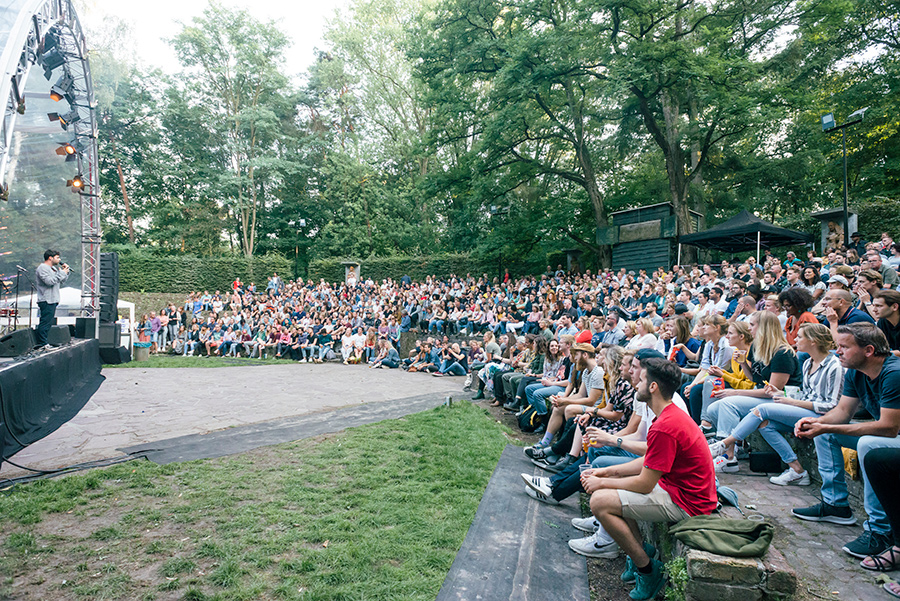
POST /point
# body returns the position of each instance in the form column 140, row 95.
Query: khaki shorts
column 654, row 507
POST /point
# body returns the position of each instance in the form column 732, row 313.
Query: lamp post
column 829, row 125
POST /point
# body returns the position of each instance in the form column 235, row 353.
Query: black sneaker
column 538, row 452
column 823, row 512
column 868, row 543
column 547, row 463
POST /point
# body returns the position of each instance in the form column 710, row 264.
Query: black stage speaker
column 59, row 335
column 109, row 287
column 114, row 356
column 110, row 335
column 84, row 327
column 16, row 342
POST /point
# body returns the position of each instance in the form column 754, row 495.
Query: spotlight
column 65, row 120
column 50, row 60
column 63, row 88
column 21, row 107
column 70, row 150
column 76, row 183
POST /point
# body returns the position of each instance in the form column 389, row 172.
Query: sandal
column 881, row 564
column 887, row 586
column 496, row 404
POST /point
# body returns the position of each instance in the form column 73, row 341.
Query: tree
column 232, row 66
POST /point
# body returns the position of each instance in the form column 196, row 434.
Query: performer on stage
column 50, row 274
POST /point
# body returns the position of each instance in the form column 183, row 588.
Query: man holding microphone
column 49, row 275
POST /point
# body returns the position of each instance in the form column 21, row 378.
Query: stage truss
column 40, row 27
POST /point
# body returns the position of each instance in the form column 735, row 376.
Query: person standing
column 49, row 275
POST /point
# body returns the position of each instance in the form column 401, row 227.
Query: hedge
column 416, row 267
column 139, row 272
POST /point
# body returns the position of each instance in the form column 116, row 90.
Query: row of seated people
column 604, row 435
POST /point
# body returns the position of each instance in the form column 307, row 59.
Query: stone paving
column 135, row 405
column 812, row 549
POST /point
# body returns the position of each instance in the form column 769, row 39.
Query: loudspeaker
column 109, row 288
column 110, row 335
column 84, row 327
column 16, row 342
column 59, row 335
column 115, row 355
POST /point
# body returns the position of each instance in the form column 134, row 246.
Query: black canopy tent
column 745, row 231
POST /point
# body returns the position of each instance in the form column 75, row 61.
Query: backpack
column 530, row 420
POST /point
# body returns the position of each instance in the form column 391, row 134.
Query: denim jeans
column 725, row 414
column 452, row 368
column 436, row 324
column 781, row 418
column 607, row 456
column 537, row 396
column 700, row 400
column 831, row 468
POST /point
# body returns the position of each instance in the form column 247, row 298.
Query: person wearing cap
column 587, row 394
column 838, row 281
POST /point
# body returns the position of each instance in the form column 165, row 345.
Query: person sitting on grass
column 455, row 363
column 822, row 383
column 872, row 381
column 387, row 356
column 673, row 481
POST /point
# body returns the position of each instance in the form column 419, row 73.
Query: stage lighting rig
column 76, row 183
column 70, row 150
column 63, row 88
column 65, row 120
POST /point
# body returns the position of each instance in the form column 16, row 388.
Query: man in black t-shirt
column 872, row 381
column 885, row 307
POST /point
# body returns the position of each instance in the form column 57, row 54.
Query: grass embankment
column 376, row 512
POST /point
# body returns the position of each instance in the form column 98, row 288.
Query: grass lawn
column 375, row 512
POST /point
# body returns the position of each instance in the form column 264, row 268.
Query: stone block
column 780, row 577
column 697, row 590
column 727, row 570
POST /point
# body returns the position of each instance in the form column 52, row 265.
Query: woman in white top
column 645, row 335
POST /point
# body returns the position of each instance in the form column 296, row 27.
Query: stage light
column 50, row 60
column 65, row 120
column 63, row 88
column 76, row 183
column 21, row 107
column 70, row 150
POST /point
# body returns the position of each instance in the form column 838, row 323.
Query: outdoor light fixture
column 63, row 88
column 21, row 107
column 65, row 120
column 828, row 125
column 76, row 183
column 50, row 60
column 70, row 150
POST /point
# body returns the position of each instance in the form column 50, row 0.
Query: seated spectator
column 716, row 352
column 773, row 366
column 872, row 381
column 796, row 303
column 673, row 481
column 822, row 383
column 883, row 467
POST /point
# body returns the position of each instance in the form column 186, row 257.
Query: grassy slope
column 376, row 512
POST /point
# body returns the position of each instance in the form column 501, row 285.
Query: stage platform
column 41, row 391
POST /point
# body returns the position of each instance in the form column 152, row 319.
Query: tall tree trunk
column 124, row 191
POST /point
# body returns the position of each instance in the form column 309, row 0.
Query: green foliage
column 141, row 271
column 419, row 267
column 678, row 577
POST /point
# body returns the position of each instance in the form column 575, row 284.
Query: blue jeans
column 452, row 368
column 537, row 395
column 436, row 324
column 607, row 456
column 725, row 414
column 781, row 418
column 831, row 468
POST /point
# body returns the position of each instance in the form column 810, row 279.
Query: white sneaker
column 588, row 524
column 540, row 496
column 726, row 465
column 538, row 484
column 598, row 544
column 716, row 448
column 791, row 477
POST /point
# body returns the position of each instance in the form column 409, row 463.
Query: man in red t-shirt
column 673, row 481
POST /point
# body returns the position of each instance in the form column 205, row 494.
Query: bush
column 146, row 272
column 416, row 267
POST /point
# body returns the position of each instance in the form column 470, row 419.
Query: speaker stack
column 111, row 349
column 109, row 287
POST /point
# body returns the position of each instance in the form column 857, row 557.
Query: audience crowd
column 642, row 385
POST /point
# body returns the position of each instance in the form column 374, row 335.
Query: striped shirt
column 823, row 388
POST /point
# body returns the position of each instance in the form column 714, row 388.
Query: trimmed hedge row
column 416, row 267
column 149, row 273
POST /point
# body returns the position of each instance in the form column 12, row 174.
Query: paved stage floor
column 135, row 406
